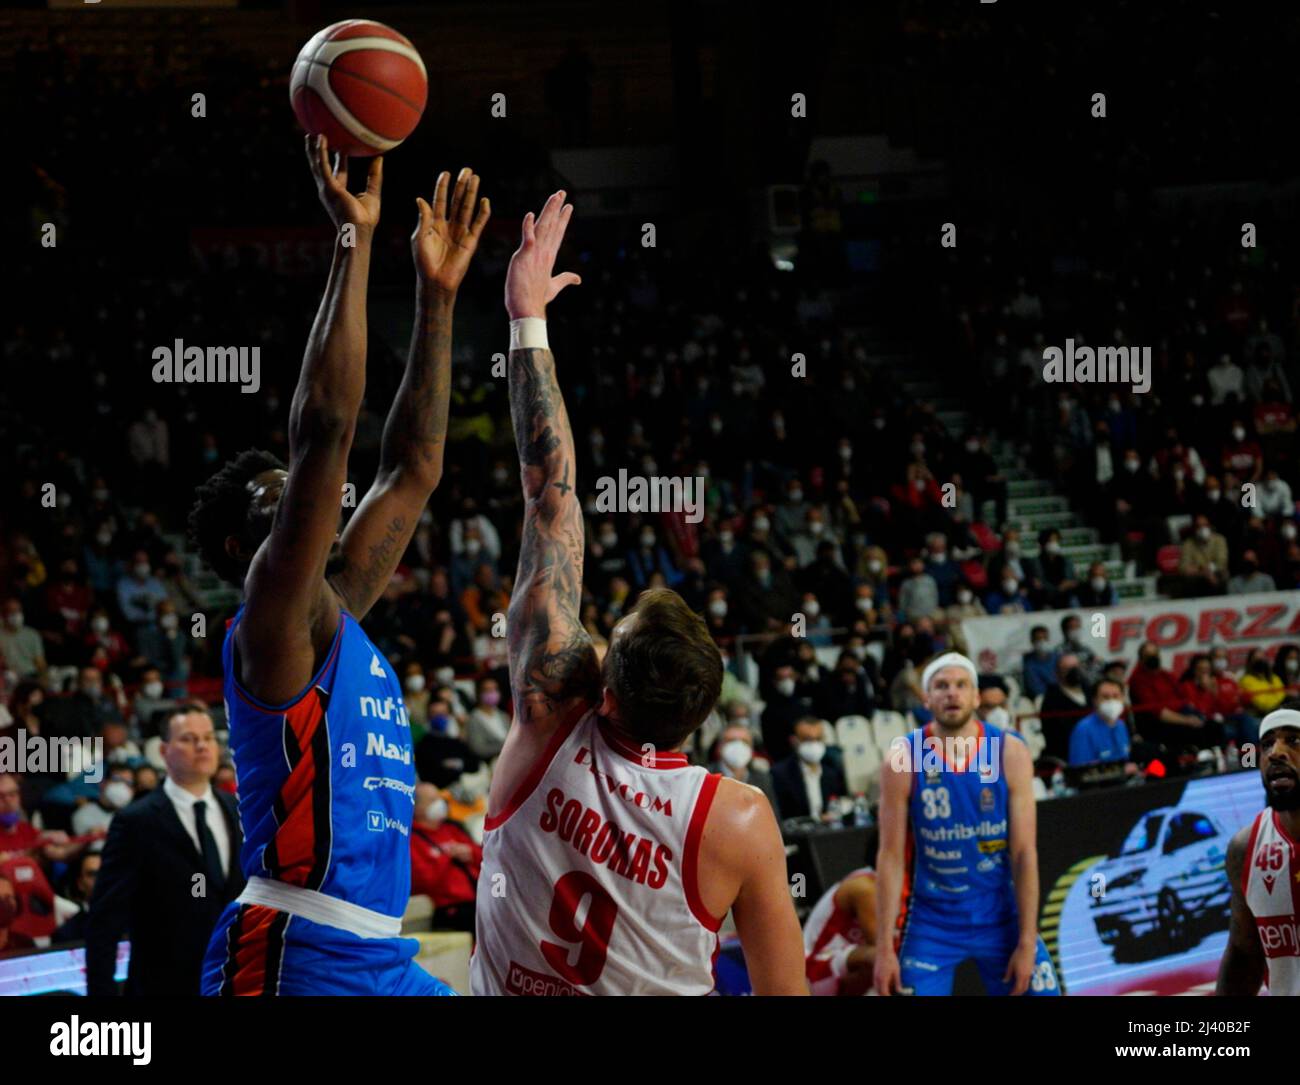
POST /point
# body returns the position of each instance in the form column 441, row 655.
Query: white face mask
column 1288, row 531
column 1203, row 533
column 875, row 565
column 964, row 596
column 1219, row 664
column 169, row 623
column 811, row 753
column 152, row 690
column 1238, row 434
column 760, row 523
column 15, row 620
column 998, row 716
column 1212, row 495
column 785, row 687
column 141, row 570
column 863, row 603
column 812, row 608
column 726, row 538
column 1110, row 710
column 718, row 608
column 737, row 753
column 444, row 676
column 608, row 540
column 647, row 540
column 436, row 811
column 117, row 793
column 1009, row 587
column 1052, row 546
column 414, row 683
column 99, row 625
column 1098, row 583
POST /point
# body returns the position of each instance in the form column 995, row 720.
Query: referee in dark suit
column 171, row 864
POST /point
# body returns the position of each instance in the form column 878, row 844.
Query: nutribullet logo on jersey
column 653, row 493
column 179, row 364
column 374, row 708
column 930, row 754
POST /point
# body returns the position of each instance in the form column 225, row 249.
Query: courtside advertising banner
column 1180, row 627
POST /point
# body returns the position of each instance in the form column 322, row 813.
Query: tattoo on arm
column 551, row 656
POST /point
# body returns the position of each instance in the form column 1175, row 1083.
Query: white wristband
column 528, row 333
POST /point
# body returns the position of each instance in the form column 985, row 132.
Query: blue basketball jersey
column 327, row 780
column 958, row 870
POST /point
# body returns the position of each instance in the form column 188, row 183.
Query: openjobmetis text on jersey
column 1104, row 365
column 179, row 364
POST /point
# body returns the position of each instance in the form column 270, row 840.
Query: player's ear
column 608, row 706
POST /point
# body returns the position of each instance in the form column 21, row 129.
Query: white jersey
column 1271, row 883
column 829, row 933
column 590, row 880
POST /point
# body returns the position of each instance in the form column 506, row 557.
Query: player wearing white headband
column 957, row 867
column 1263, row 867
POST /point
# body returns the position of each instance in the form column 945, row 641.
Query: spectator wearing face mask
column 721, row 622
column 965, row 605
column 21, row 648
column 605, row 558
column 1055, row 571
column 1274, row 498
column 1098, row 591
column 19, row 837
column 416, row 696
column 473, row 525
column 994, row 707
column 1241, row 453
column 68, row 601
column 918, row 594
column 1009, row 597
column 817, row 624
column 1203, row 565
column 1224, row 513
column 1239, row 724
column 783, row 707
column 445, row 861
column 986, row 479
column 488, row 724
column 940, row 567
column 1262, row 690
column 1038, row 665
column 102, row 637
column 807, row 780
column 1161, row 713
column 735, row 753
column 1064, row 704
column 725, row 556
column 1102, row 735
column 150, row 700
column 116, row 791
column 167, row 647
column 85, row 712
column 872, row 570
column 140, row 592
column 650, row 557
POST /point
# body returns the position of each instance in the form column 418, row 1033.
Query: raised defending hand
column 332, row 186
column 529, row 282
column 447, row 235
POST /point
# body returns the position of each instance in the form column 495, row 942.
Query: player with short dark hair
column 318, row 730
column 609, row 862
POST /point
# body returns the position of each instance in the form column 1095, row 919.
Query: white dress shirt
column 812, row 782
column 213, row 814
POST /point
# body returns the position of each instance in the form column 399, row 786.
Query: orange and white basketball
column 360, row 84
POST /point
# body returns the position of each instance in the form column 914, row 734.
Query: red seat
column 1168, row 558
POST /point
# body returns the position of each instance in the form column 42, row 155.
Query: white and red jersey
column 590, row 880
column 829, row 933
column 1271, row 883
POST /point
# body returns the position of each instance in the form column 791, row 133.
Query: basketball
column 360, row 84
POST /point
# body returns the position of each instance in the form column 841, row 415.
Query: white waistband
column 320, row 908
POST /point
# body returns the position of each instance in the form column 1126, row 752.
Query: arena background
column 776, row 235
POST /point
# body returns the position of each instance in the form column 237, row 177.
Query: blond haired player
column 609, row 863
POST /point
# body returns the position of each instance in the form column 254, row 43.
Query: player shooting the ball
column 326, row 790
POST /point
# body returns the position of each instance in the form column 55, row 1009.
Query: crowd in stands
column 833, row 497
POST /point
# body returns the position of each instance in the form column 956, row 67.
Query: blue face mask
column 9, row 819
column 439, row 722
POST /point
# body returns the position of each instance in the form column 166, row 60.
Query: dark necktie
column 208, row 846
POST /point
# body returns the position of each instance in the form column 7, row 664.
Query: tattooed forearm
column 416, row 431
column 552, row 660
